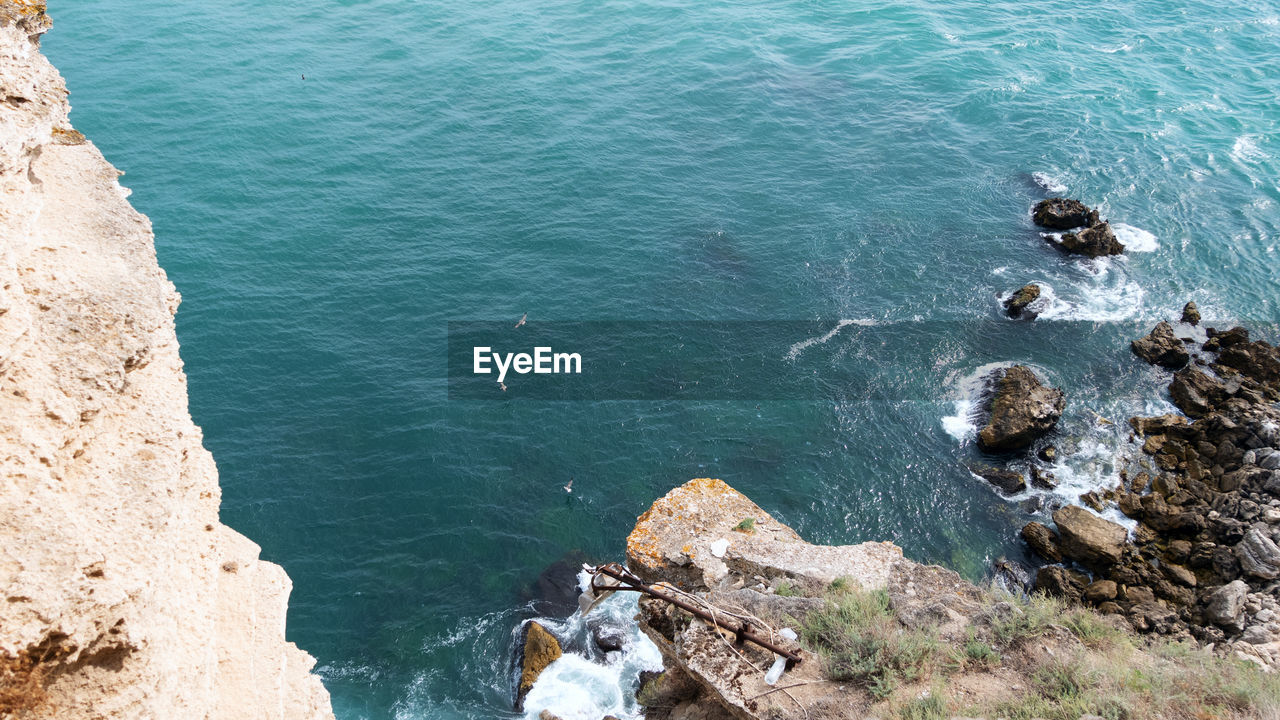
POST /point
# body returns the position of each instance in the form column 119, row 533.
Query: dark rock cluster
column 1088, row 234
column 1203, row 559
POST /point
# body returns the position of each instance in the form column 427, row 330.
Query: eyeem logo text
column 542, row 362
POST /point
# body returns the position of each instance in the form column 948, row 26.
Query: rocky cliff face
column 123, row 595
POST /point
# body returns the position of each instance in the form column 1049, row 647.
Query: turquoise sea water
column 676, row 160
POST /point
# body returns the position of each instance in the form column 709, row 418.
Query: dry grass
column 1067, row 662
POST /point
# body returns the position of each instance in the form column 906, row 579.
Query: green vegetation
column 786, row 589
column 978, row 653
column 747, row 525
column 860, row 640
column 1066, row 661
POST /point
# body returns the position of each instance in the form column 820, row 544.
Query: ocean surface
column 864, row 167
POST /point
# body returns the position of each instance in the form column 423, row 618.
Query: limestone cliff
column 123, row 595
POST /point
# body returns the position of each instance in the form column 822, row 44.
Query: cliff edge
column 123, row 595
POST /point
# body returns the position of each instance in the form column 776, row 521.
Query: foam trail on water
column 801, row 346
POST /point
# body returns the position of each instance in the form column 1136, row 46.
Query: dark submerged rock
column 1008, row 481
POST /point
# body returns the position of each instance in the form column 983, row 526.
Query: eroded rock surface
column 1022, row 410
column 116, row 574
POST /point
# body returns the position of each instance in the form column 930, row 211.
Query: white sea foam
column 1111, row 297
column 1000, row 270
column 1245, row 150
column 1051, row 182
column 963, row 424
column 575, row 687
column 1135, row 239
column 803, row 345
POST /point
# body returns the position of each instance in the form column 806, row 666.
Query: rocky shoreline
column 1204, row 489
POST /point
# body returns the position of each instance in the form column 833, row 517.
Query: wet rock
column 1043, row 540
column 1258, row 555
column 1022, row 410
column 1161, row 347
column 1043, row 480
column 1225, row 606
column 1087, row 538
column 1048, row 453
column 1008, row 481
column 1191, row 314
column 609, row 638
column 1096, row 241
column 1016, row 305
column 1063, row 214
column 539, row 649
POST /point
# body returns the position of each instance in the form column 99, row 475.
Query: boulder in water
column 1161, row 347
column 1063, row 214
column 1017, row 303
column 1022, row 410
column 1097, row 240
column 1191, row 313
column 539, row 649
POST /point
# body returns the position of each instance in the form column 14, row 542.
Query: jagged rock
column 538, row 650
column 1022, row 410
column 1016, row 305
column 1087, row 538
column 1043, row 540
column 1008, row 481
column 1194, row 391
column 668, row 689
column 1191, row 314
column 1225, row 606
column 1259, row 556
column 1162, row 347
column 1048, row 453
column 1095, row 241
column 1063, row 214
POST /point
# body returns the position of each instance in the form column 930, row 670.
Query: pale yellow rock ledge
column 118, row 581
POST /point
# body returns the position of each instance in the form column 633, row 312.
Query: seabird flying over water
column 502, row 385
column 522, row 319
column 569, row 488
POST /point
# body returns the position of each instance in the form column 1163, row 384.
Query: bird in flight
column 522, row 319
column 502, row 385
column 569, row 488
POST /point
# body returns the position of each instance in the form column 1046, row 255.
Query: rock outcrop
column 1097, row 240
column 1015, row 306
column 124, row 596
column 1063, row 214
column 1022, row 409
column 1162, row 347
